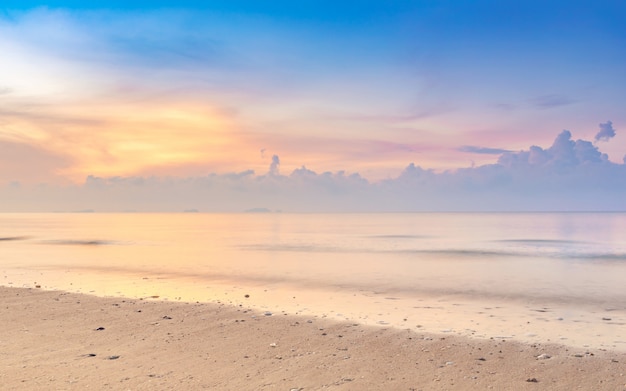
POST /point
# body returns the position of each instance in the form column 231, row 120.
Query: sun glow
column 105, row 139
column 135, row 140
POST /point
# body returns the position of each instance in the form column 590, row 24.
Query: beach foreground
column 66, row 341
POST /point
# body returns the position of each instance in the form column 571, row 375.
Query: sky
column 312, row 105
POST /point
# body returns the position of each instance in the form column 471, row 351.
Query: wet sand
column 68, row 341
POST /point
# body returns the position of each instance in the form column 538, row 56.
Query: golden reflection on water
column 444, row 269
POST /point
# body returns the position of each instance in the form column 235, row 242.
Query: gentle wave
column 524, row 254
column 465, row 252
column 460, row 253
column 13, row 238
column 598, row 256
column 541, row 241
column 72, row 242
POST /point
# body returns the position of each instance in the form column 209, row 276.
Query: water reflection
column 489, row 253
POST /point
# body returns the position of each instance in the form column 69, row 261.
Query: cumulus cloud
column 606, row 132
column 570, row 174
column 564, row 153
column 275, row 165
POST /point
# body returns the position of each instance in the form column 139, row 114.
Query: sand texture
column 61, row 341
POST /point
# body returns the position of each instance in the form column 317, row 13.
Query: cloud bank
column 569, row 175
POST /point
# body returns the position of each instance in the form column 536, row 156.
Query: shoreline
column 61, row 340
column 568, row 321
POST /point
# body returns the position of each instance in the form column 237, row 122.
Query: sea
column 534, row 277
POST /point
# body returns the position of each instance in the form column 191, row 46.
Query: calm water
column 571, row 260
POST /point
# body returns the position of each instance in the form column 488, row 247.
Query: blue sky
column 368, row 89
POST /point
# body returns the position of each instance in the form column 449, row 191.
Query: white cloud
column 564, row 154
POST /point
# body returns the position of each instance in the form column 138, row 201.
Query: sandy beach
column 54, row 340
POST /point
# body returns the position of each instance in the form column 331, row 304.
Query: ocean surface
column 469, row 273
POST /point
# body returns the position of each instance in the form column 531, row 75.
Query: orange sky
column 183, row 93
